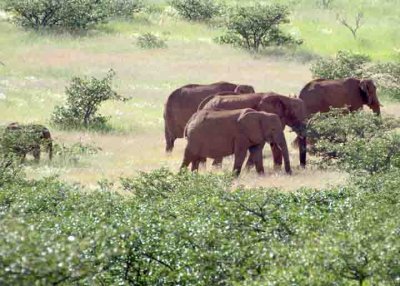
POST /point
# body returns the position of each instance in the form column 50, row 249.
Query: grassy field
column 37, row 67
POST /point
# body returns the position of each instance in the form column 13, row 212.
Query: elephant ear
column 273, row 104
column 250, row 125
column 367, row 88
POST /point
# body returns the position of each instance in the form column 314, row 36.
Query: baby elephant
column 23, row 139
column 215, row 134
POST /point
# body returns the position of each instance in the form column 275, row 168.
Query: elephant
column 291, row 112
column 23, row 139
column 183, row 103
column 321, row 94
column 219, row 133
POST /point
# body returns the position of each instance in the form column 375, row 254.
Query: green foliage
column 355, row 141
column 150, row 41
column 10, row 170
column 191, row 229
column 256, row 26
column 345, row 64
column 387, row 75
column 197, row 10
column 84, row 97
column 124, row 8
column 74, row 153
column 70, row 15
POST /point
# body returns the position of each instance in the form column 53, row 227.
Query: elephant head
column 368, row 93
column 260, row 127
column 244, row 89
column 292, row 112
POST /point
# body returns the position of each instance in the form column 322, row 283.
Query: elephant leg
column 186, row 159
column 36, row 153
column 195, row 165
column 217, row 162
column 254, row 150
column 169, row 140
column 277, row 156
column 250, row 161
column 240, row 156
column 257, row 158
column 302, row 151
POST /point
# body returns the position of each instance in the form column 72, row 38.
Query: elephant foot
column 277, row 167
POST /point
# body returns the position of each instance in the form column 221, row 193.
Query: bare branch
column 357, row 25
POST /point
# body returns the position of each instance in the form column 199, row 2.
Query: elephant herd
column 223, row 118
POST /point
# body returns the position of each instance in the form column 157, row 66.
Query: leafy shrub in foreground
column 197, row 10
column 84, row 97
column 345, row 64
column 257, row 26
column 192, row 229
column 150, row 41
column 354, row 141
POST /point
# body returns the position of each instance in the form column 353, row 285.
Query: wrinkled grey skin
column 320, row 95
column 184, row 101
column 215, row 134
column 291, row 112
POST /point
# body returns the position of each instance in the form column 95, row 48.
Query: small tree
column 84, row 99
column 253, row 27
column 345, row 64
column 353, row 28
column 197, row 10
column 150, row 41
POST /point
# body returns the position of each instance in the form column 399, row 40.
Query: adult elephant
column 320, row 95
column 23, row 139
column 291, row 112
column 215, row 134
column 183, row 103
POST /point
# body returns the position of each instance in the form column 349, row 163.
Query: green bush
column 73, row 153
column 197, row 10
column 10, row 169
column 345, row 64
column 150, row 41
column 124, row 8
column 387, row 76
column 193, row 229
column 84, row 97
column 70, row 15
column 257, row 26
column 354, row 142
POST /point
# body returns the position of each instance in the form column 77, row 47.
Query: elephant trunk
column 376, row 108
column 285, row 153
